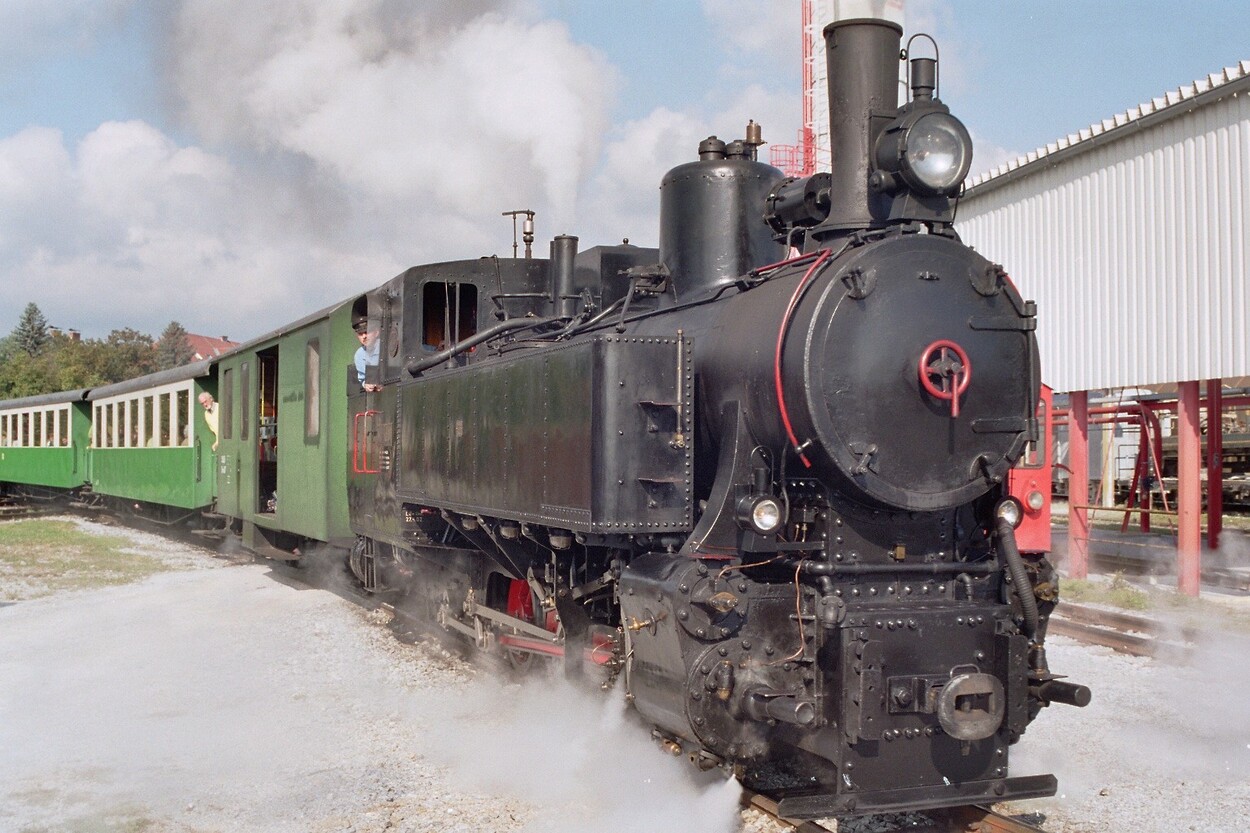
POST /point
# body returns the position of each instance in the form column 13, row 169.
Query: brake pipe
column 823, row 256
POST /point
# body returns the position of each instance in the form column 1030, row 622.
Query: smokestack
column 863, row 67
column 562, row 265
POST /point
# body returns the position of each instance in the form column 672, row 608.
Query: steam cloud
column 323, row 147
column 225, row 700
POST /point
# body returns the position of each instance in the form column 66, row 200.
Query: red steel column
column 1189, row 488
column 1215, row 463
column 1078, row 484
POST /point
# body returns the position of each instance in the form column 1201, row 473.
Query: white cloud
column 342, row 141
column 625, row 191
column 35, row 190
column 325, row 145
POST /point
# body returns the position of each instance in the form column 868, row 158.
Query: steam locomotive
column 754, row 480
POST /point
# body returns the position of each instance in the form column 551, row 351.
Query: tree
column 173, row 349
column 127, row 354
column 32, row 330
column 22, row 375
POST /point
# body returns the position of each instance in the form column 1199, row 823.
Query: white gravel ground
column 214, row 700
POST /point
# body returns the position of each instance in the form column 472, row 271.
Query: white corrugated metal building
column 1134, row 238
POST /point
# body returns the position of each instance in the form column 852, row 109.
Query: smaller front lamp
column 1010, row 510
column 760, row 513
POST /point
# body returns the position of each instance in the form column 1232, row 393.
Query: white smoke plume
column 309, row 150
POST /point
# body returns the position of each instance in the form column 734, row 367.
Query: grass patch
column 1119, row 593
column 1116, row 593
column 40, row 557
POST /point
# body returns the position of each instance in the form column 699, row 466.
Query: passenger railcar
column 150, row 448
column 282, row 449
column 43, row 443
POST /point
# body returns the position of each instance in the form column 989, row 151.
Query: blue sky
column 156, row 155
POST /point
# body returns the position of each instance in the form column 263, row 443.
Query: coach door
column 300, row 460
column 229, row 467
column 267, row 431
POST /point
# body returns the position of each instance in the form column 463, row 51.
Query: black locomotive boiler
column 754, row 480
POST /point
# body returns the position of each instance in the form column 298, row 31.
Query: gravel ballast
column 217, row 698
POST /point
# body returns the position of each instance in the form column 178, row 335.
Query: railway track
column 969, row 819
column 1122, row 632
column 1136, row 635
column 15, row 511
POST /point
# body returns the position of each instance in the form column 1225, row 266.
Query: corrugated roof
column 1155, row 107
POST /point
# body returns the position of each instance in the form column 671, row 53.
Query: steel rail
column 966, row 819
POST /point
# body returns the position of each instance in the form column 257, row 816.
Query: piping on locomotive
column 762, row 495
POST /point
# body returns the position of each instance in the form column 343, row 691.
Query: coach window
column 145, row 422
column 108, row 425
column 227, row 403
column 245, row 399
column 184, row 413
column 4, row 430
column 163, row 420
column 312, row 390
column 97, row 427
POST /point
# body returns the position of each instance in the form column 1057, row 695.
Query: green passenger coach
column 272, row 470
column 283, row 451
column 150, row 442
column 43, row 441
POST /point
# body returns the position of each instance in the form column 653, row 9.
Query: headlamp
column 935, row 154
column 760, row 513
column 1009, row 510
column 926, row 151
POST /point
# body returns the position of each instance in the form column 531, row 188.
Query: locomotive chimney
column 863, row 57
column 562, row 264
